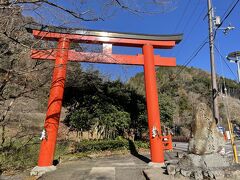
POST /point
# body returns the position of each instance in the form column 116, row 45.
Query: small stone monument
column 203, row 160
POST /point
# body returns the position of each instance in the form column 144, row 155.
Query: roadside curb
column 155, row 173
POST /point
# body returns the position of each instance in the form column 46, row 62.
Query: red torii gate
column 62, row 54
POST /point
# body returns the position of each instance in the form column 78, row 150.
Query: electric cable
column 224, row 60
column 229, row 7
column 188, row 61
column 183, row 14
column 190, row 32
column 226, row 16
column 191, row 58
column 191, row 16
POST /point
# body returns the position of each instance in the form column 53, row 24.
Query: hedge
column 94, row 145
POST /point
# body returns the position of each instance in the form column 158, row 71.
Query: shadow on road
column 134, row 152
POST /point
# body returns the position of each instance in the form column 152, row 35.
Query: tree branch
column 135, row 11
column 74, row 14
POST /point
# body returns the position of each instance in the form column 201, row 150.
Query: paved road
column 182, row 147
column 125, row 167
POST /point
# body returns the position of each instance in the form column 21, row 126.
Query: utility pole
column 212, row 63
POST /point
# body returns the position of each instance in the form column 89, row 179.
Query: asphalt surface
column 115, row 167
column 118, row 167
column 182, row 147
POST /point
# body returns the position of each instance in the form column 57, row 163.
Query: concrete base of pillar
column 40, row 170
column 156, row 165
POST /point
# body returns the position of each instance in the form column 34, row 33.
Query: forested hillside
column 179, row 94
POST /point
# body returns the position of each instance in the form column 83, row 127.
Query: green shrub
column 101, row 145
column 17, row 157
column 141, row 144
column 62, row 148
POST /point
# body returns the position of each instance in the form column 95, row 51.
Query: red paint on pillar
column 48, row 144
column 156, row 146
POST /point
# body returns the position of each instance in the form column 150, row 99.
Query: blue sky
column 182, row 16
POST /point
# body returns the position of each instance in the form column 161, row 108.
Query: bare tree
column 18, row 73
column 73, row 11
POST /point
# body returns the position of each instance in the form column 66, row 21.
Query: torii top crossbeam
column 96, row 36
column 63, row 53
column 107, row 39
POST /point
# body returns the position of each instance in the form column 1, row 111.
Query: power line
column 228, row 9
column 228, row 14
column 183, row 14
column 206, row 15
column 192, row 15
column 195, row 53
column 190, row 31
column 191, row 58
column 224, row 60
column 195, row 23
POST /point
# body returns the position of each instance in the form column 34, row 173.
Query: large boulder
column 205, row 138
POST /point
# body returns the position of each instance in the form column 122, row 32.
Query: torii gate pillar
column 156, row 146
column 51, row 124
